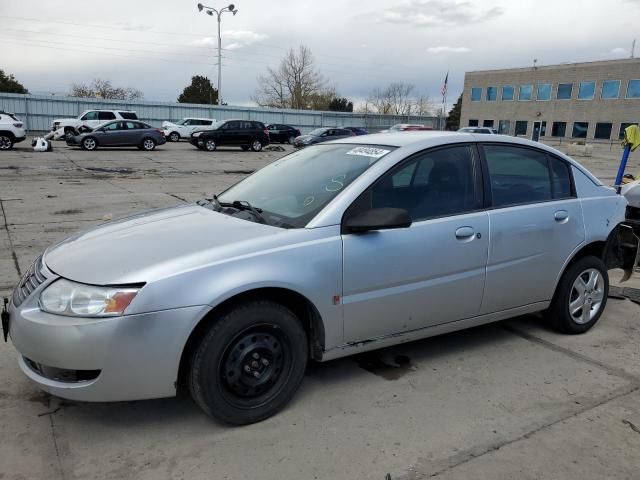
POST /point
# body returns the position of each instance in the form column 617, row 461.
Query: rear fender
column 621, row 248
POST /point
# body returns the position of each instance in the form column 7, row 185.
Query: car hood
column 153, row 245
column 168, row 124
column 306, row 138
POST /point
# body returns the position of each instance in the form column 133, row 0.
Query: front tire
column 174, row 137
column 6, row 141
column 89, row 143
column 250, row 363
column 580, row 297
column 210, row 145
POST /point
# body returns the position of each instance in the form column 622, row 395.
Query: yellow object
column 631, row 137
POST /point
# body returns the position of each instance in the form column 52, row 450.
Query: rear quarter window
column 128, row 115
column 106, row 116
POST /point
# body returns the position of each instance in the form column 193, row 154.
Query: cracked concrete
column 510, row 400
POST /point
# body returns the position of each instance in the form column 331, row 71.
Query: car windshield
column 396, row 127
column 182, row 122
column 318, row 131
column 292, row 190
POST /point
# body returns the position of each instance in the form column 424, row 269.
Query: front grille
column 61, row 374
column 31, row 280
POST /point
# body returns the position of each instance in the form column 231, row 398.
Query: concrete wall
column 615, row 111
column 39, row 111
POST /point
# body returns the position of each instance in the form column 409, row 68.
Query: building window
column 521, row 127
column 559, row 129
column 564, row 91
column 623, row 126
column 507, row 92
column 603, row 130
column 492, row 94
column 544, row 91
column 487, row 123
column 473, row 123
column 476, row 94
column 580, row 129
column 586, row 90
column 633, row 89
column 610, row 89
column 504, row 126
column 525, row 93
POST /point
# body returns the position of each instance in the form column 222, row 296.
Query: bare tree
column 423, row 106
column 295, row 83
column 100, row 88
column 395, row 99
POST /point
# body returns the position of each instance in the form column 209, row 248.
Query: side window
column 232, row 125
column 517, row 175
column 434, row 184
column 113, row 126
column 106, row 116
column 132, row 126
column 560, row 178
column 90, row 116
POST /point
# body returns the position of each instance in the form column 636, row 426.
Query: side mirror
column 378, row 219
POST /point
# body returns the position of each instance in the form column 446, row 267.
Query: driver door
column 430, row 273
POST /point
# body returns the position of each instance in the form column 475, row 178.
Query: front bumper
column 132, row 357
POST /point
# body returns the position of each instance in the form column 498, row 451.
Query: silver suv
column 335, row 249
column 11, row 131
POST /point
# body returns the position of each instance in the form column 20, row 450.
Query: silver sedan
column 335, row 249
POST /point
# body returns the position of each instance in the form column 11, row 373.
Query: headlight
column 63, row 297
column 197, row 134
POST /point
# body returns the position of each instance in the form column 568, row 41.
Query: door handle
column 464, row 233
column 561, row 216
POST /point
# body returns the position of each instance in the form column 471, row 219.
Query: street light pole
column 210, row 11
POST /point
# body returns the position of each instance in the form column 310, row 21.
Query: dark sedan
column 120, row 133
column 320, row 135
column 358, row 130
column 282, row 133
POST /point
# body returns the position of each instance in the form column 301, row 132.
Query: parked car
column 246, row 134
column 185, row 127
column 11, row 130
column 358, row 130
column 90, row 119
column 120, row 134
column 282, row 133
column 406, row 127
column 320, row 135
column 483, row 130
column 335, row 249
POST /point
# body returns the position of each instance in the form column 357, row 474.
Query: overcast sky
column 157, row 45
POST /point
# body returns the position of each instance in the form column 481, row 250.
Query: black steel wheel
column 250, row 363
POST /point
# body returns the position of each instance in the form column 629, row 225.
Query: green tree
column 200, row 91
column 9, row 84
column 453, row 119
column 340, row 104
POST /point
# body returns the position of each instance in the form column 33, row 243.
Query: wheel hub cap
column 586, row 297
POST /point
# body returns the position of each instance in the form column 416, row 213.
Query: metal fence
column 39, row 111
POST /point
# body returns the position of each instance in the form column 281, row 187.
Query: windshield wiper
column 212, row 203
column 244, row 205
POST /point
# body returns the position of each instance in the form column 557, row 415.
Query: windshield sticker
column 368, row 152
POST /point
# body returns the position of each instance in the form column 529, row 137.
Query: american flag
column 444, row 86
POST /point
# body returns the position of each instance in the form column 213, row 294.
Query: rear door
column 430, row 273
column 132, row 133
column 536, row 224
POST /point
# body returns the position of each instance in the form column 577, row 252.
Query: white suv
column 11, row 131
column 185, row 127
column 91, row 119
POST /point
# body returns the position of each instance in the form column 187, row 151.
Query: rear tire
column 256, row 145
column 6, row 141
column 148, row 144
column 580, row 297
column 250, row 363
